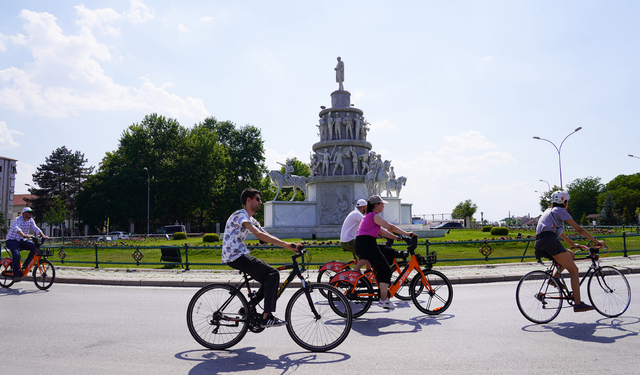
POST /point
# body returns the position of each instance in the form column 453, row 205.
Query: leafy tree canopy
column 584, row 194
column 464, row 209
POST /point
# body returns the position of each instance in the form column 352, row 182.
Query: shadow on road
column 379, row 326
column 603, row 331
column 244, row 359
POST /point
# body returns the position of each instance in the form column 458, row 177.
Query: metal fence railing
column 179, row 256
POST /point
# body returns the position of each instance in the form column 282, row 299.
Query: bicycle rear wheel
column 539, row 297
column 6, row 275
column 432, row 299
column 609, row 291
column 323, row 329
column 44, row 274
column 359, row 298
column 216, row 316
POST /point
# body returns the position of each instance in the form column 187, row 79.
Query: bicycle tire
column 610, row 294
column 539, row 297
column 434, row 300
column 360, row 299
column 211, row 327
column 44, row 274
column 324, row 277
column 325, row 331
column 5, row 280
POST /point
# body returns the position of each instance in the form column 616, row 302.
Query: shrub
column 211, row 237
column 499, row 231
column 486, row 228
column 179, row 236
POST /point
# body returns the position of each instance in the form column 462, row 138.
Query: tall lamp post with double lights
column 148, row 194
column 558, row 149
column 548, row 184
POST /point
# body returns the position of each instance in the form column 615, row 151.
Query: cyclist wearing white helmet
column 550, row 229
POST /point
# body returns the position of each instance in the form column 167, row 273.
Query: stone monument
column 344, row 168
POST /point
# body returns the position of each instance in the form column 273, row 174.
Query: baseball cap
column 361, row 203
column 27, row 209
column 376, row 199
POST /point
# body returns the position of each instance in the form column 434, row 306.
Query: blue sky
column 455, row 91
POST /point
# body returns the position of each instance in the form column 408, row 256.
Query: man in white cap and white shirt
column 350, row 230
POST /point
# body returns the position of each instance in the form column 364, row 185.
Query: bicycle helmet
column 560, row 197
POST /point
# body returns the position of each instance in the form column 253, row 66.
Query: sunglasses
column 257, row 198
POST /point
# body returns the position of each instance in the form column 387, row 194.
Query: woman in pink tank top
column 371, row 226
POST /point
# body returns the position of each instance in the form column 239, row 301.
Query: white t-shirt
column 350, row 226
column 552, row 220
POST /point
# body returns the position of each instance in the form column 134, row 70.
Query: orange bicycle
column 328, row 270
column 430, row 290
column 43, row 272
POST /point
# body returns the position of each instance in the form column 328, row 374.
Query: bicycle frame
column 353, row 277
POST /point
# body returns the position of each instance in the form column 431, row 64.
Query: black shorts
column 547, row 245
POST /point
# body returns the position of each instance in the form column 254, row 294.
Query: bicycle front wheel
column 216, row 316
column 435, row 296
column 404, row 293
column 359, row 298
column 6, row 274
column 44, row 274
column 313, row 323
column 539, row 297
column 609, row 291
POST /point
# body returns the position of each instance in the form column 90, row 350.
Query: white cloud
column 139, row 12
column 99, row 19
column 66, row 78
column 23, row 177
column 182, row 28
column 273, row 157
column 466, row 142
column 206, row 19
column 383, row 124
column 6, row 137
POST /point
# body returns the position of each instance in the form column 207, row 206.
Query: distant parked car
column 449, row 225
column 116, row 235
column 171, row 229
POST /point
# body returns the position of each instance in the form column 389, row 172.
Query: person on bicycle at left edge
column 236, row 254
column 17, row 239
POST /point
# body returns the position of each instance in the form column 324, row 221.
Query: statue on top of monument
column 288, row 170
column 340, row 74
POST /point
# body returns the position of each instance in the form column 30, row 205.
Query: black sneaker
column 582, row 307
column 17, row 279
column 272, row 321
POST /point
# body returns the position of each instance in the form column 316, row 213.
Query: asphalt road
column 95, row 329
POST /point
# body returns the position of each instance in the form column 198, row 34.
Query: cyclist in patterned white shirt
column 16, row 239
column 236, row 254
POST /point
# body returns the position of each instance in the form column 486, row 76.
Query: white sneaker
column 386, row 304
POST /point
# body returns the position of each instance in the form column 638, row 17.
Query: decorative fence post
column 186, row 257
column 96, row 249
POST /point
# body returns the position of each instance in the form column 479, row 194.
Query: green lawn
column 458, row 247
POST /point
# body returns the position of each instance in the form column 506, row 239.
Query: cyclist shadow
column 245, row 360
column 388, row 326
column 19, row 292
column 603, row 331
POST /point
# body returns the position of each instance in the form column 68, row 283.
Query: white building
column 7, row 187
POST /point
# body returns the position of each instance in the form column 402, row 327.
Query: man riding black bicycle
column 17, row 239
column 236, row 254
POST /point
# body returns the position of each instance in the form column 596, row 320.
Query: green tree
column 61, row 176
column 56, row 213
column 464, row 209
column 607, row 214
column 584, row 194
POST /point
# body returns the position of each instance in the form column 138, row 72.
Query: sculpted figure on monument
column 337, row 159
column 358, row 124
column 340, row 74
column 325, row 161
column 287, row 180
column 322, row 128
column 314, row 164
column 337, row 125
column 364, row 128
column 329, row 127
column 348, row 124
column 288, row 170
column 354, row 160
column 364, row 162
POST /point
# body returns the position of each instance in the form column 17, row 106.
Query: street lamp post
column 548, row 185
column 637, row 157
column 558, row 149
column 148, row 194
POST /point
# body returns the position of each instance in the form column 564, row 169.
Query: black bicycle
column 219, row 315
column 540, row 295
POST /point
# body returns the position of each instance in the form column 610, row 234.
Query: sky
column 454, row 91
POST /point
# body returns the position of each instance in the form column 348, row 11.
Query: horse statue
column 376, row 180
column 396, row 186
column 277, row 179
